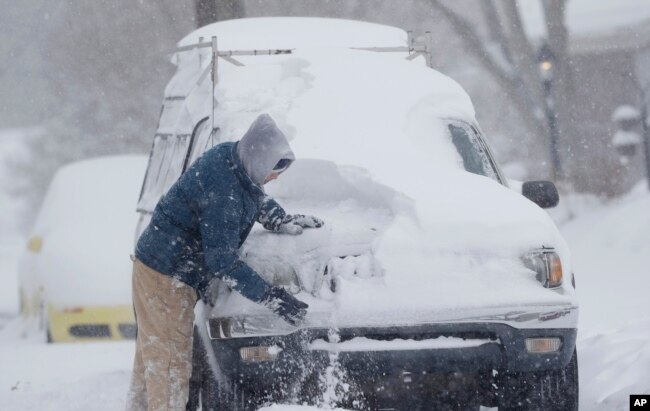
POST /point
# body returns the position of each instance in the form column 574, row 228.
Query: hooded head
column 262, row 147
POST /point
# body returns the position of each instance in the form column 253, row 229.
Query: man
column 194, row 236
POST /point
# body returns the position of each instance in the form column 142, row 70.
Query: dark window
column 165, row 166
column 127, row 330
column 90, row 331
column 474, row 156
column 203, row 138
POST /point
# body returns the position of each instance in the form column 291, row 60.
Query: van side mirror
column 542, row 193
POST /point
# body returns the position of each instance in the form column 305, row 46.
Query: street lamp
column 546, row 62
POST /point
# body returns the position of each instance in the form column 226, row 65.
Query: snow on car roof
column 87, row 222
column 296, row 32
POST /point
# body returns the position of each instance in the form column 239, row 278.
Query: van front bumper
column 499, row 345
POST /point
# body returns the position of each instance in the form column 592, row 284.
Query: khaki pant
column 164, row 309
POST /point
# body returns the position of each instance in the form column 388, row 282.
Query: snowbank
column 611, row 246
column 65, row 376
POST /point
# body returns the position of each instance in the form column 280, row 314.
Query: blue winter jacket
column 198, row 227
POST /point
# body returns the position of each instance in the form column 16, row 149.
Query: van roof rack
column 414, row 50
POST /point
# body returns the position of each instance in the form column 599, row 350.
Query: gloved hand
column 278, row 300
column 294, row 223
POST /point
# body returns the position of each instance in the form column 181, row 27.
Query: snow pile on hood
column 387, row 117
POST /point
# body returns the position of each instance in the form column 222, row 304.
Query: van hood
column 381, row 255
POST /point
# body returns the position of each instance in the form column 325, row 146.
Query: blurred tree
column 106, row 71
column 209, row 11
column 511, row 58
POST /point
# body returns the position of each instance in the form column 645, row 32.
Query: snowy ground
column 611, row 249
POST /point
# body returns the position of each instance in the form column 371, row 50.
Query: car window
column 170, row 156
column 475, row 158
column 169, row 115
column 165, row 166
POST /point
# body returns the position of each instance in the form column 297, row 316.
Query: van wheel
column 209, row 393
column 543, row 390
column 225, row 394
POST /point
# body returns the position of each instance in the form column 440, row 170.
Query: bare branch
column 510, row 81
column 495, row 27
column 522, row 51
column 466, row 31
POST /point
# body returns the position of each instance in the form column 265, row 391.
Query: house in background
column 609, row 48
column 612, row 69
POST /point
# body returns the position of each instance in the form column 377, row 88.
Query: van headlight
column 546, row 265
column 249, row 326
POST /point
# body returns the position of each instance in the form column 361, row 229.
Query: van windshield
column 475, row 158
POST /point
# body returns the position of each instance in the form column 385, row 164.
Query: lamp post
column 645, row 121
column 546, row 62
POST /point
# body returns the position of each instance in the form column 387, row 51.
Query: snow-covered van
column 432, row 281
column 75, row 275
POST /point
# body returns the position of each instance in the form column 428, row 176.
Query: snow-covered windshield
column 475, row 158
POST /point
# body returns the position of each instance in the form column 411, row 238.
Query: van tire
column 209, row 393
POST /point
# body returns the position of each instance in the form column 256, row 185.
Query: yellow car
column 75, row 276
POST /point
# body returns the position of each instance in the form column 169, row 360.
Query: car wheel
column 543, row 390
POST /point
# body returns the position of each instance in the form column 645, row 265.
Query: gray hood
column 262, row 147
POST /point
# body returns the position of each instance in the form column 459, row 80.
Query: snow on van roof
column 352, row 107
column 296, row 32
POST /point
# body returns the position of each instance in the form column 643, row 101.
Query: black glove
column 294, row 223
column 278, row 300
